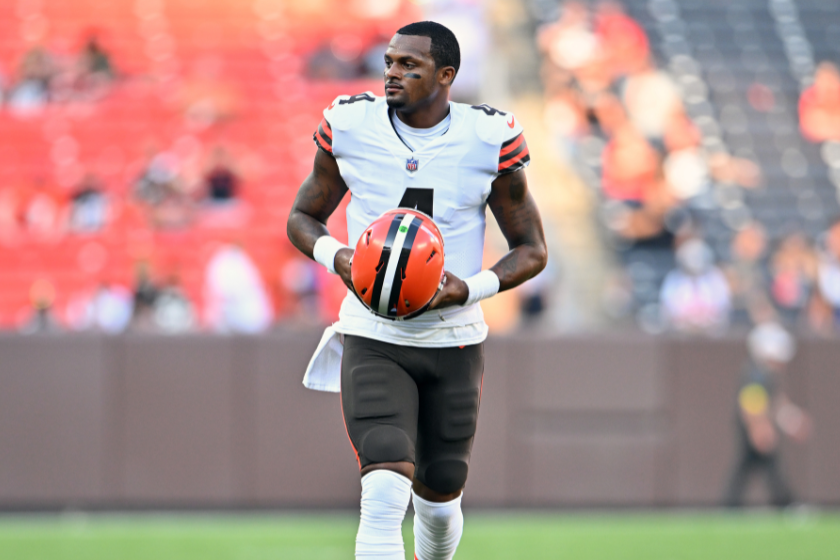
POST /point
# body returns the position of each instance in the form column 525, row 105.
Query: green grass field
column 488, row 536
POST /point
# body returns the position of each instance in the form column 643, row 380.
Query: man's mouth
column 393, row 87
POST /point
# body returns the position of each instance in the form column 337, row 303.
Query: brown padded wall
column 207, row 420
column 52, row 420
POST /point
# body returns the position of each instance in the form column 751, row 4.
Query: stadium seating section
column 719, row 51
column 258, row 49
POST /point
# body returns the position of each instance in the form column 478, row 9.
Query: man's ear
column 446, row 75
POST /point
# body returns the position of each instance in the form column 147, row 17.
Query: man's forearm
column 520, row 264
column 303, row 231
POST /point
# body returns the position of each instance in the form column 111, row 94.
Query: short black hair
column 445, row 49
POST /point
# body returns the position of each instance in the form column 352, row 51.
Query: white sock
column 385, row 496
column 437, row 528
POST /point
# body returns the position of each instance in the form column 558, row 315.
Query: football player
column 410, row 389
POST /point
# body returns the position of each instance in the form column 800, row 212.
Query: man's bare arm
column 318, row 197
column 521, row 224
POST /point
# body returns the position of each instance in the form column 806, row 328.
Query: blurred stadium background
column 156, row 320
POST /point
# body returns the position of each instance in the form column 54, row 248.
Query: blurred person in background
column 159, row 170
column 95, row 69
column 221, row 181
column 829, row 273
column 570, row 42
column 652, row 100
column 33, row 84
column 40, row 317
column 235, row 296
column 695, row 297
column 108, row 309
column 793, row 272
column 145, row 295
column 764, row 413
column 746, row 273
column 819, row 105
column 172, row 311
column 299, row 278
column 622, row 39
column 630, row 166
column 88, row 210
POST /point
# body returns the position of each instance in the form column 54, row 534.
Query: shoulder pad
column 347, row 111
column 494, row 126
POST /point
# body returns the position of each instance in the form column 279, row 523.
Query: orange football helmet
column 398, row 265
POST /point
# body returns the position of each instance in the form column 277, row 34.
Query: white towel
column 324, row 370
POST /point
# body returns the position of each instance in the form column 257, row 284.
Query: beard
column 394, row 103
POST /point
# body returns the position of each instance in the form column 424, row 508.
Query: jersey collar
column 395, row 145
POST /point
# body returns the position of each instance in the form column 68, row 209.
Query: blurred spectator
column 32, row 87
column 40, row 318
column 652, row 100
column 109, row 309
column 145, row 295
column 88, row 206
column 533, row 296
column 689, row 168
column 300, row 279
column 95, row 69
column 569, row 43
column 695, row 296
column 746, row 273
column 221, row 183
column 829, row 273
column 173, row 311
column 340, row 59
column 96, row 61
column 623, row 40
column 159, row 171
column 793, row 270
column 819, row 105
column 685, row 167
column 630, row 165
column 235, row 296
column 763, row 411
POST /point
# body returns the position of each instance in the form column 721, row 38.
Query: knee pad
column 444, row 476
column 385, row 444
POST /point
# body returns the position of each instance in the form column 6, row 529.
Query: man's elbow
column 540, row 256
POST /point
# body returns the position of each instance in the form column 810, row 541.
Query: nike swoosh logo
column 512, row 119
column 331, row 105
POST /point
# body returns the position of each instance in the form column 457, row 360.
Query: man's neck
column 426, row 117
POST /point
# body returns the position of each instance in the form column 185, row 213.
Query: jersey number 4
column 357, row 97
column 488, row 110
column 419, row 199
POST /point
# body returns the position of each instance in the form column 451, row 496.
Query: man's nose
column 392, row 72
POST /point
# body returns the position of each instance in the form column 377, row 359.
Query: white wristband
column 325, row 249
column 483, row 285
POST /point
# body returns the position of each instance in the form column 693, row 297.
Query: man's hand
column 342, row 266
column 454, row 292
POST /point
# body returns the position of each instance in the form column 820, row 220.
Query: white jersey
column 449, row 178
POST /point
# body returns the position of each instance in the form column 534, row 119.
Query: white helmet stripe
column 393, row 261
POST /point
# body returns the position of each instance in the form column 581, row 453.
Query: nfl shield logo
column 411, row 164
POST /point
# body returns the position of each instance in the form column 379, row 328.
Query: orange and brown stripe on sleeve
column 514, row 155
column 323, row 136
